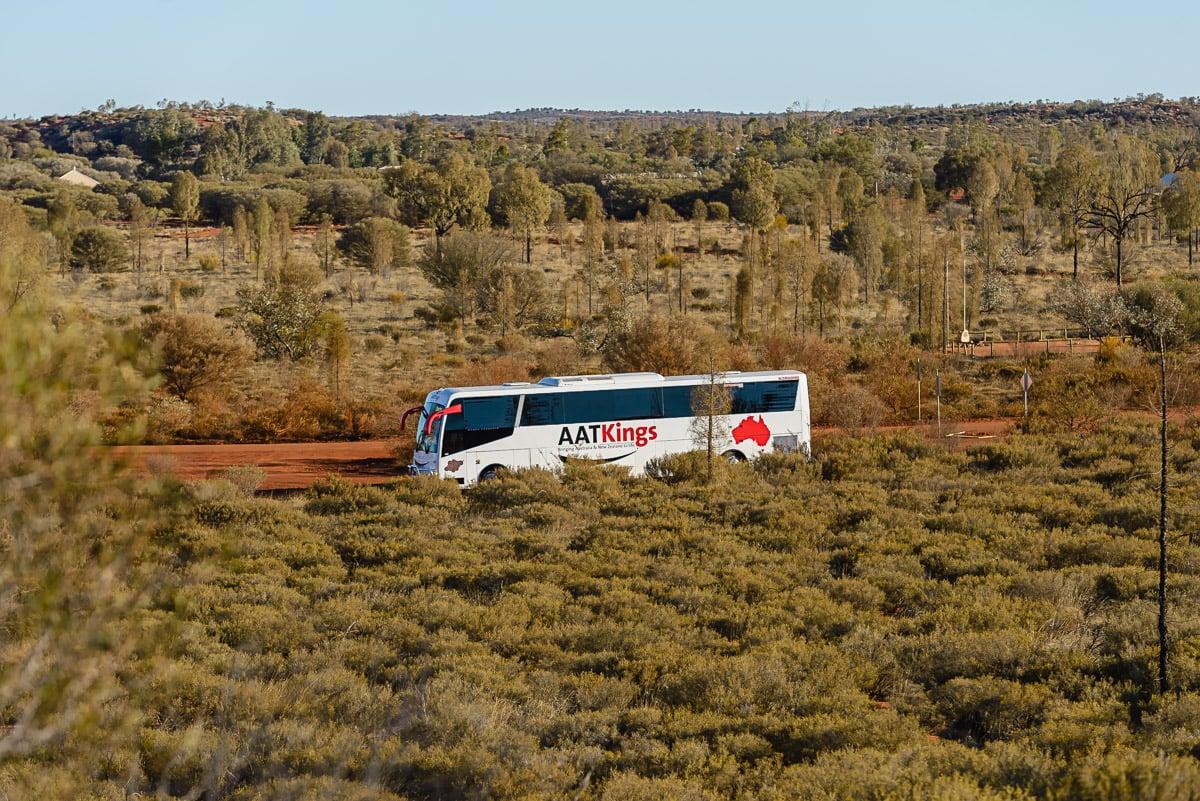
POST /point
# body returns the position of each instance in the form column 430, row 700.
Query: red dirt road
column 290, row 465
column 296, row 465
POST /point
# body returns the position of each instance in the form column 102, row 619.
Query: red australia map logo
column 752, row 429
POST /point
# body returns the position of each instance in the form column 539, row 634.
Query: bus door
column 481, row 435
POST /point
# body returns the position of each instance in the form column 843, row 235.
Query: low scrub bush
column 888, row 620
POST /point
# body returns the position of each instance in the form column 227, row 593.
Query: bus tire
column 490, row 472
column 733, row 457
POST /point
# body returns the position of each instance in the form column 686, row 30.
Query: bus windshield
column 427, row 441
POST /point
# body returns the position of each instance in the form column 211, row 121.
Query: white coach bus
column 471, row 433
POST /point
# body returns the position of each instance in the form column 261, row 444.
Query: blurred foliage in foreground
column 891, row 621
column 77, row 571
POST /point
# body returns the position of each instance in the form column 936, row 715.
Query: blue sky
column 371, row 56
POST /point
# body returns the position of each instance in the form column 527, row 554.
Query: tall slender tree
column 137, row 233
column 699, row 217
column 917, row 214
column 185, row 202
column 712, row 402
column 865, row 236
column 262, row 242
column 1182, row 202
column 1070, row 189
column 62, row 218
column 524, row 202
column 754, row 192
column 323, row 244
column 1154, row 320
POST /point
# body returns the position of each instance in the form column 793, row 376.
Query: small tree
column 849, row 194
column 743, row 293
column 833, row 283
column 323, row 244
column 699, row 217
column 376, row 244
column 753, row 192
column 241, row 232
column 1024, row 203
column 656, row 343
column 865, row 236
column 185, row 202
column 452, row 192
column 669, row 262
column 22, row 258
column 461, row 265
column 712, row 402
column 62, row 218
column 1070, row 188
column 512, row 297
column 524, row 202
column 261, row 241
column 1154, row 320
column 198, row 354
column 138, row 234
column 99, row 250
column 1182, row 202
column 1097, row 309
column 283, row 318
column 335, row 345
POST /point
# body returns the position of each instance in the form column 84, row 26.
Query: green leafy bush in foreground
column 893, row 621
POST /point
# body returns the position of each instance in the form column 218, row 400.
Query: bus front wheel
column 490, row 472
column 733, row 457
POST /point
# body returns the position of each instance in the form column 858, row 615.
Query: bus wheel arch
column 492, row 471
column 733, row 456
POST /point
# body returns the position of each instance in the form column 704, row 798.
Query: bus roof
column 613, row 380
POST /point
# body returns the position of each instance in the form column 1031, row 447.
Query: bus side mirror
column 408, row 413
column 429, row 421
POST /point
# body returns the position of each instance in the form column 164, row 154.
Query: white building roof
column 76, row 178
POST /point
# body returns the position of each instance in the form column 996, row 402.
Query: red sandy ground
column 290, row 465
column 295, row 465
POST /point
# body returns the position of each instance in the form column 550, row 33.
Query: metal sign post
column 1026, row 383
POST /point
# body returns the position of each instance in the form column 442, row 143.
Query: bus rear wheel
column 733, row 457
column 490, row 472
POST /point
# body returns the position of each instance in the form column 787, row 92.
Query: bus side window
column 636, row 404
column 542, row 409
column 601, row 405
column 677, row 401
column 765, row 396
column 482, row 420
